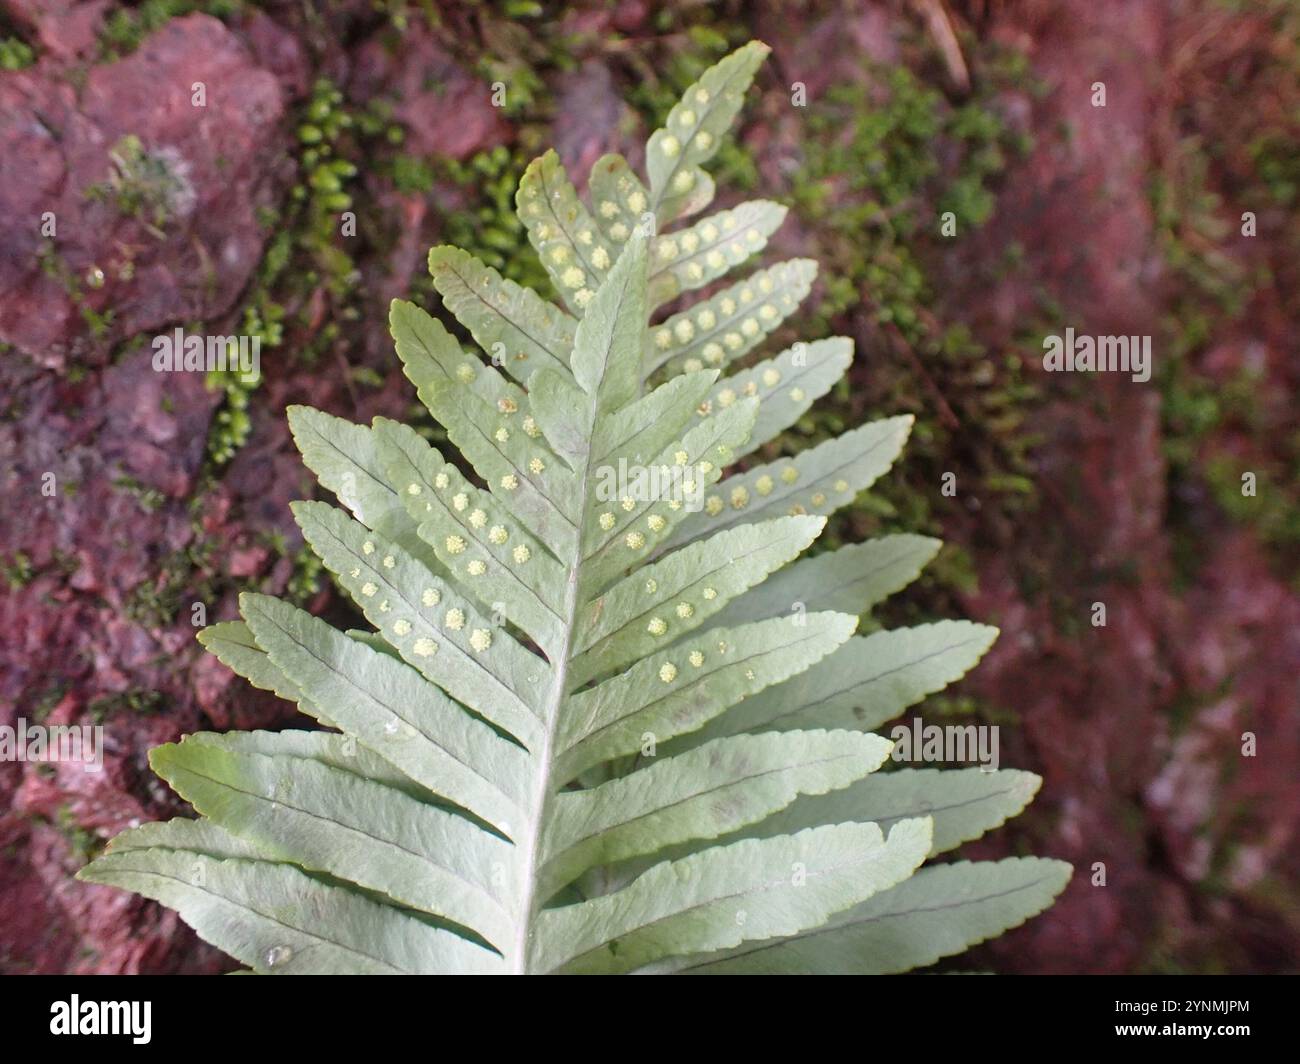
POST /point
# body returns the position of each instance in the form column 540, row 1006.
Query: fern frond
column 586, row 731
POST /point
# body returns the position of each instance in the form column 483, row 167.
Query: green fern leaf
column 619, row 201
column 601, row 720
column 723, row 328
column 512, row 324
column 567, row 240
column 751, row 890
column 869, row 681
column 693, row 132
column 938, row 912
column 852, row 579
column 817, row 481
column 692, row 258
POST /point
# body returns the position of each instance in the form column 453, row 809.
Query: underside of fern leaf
column 593, row 728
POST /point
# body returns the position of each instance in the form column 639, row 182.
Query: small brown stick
column 939, row 24
column 899, row 342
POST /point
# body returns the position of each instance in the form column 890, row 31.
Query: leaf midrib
column 559, row 690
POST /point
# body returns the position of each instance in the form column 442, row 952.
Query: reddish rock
column 445, row 109
column 64, row 29
column 165, row 233
column 590, row 119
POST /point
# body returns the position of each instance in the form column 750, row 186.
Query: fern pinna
column 588, row 733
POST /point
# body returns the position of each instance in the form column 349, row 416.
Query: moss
column 413, row 175
column 17, row 571
column 306, row 579
column 150, row 500
column 1271, row 511
column 1277, row 163
column 134, row 701
column 868, row 172
column 1214, row 297
column 44, row 701
column 83, row 846
column 183, row 576
column 15, row 53
column 306, row 252
column 56, row 268
column 149, row 186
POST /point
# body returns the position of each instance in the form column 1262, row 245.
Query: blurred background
column 1071, row 489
